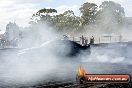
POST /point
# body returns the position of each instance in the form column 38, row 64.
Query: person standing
column 82, row 39
column 92, row 40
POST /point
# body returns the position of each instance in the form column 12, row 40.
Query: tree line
column 90, row 13
column 109, row 15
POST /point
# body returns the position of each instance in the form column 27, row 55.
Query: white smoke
column 33, row 61
column 108, row 53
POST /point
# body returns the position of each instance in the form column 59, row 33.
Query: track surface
column 65, row 75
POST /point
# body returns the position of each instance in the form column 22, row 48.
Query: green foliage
column 67, row 20
column 110, row 16
column 46, row 11
column 108, row 12
column 88, row 11
column 112, row 10
column 43, row 15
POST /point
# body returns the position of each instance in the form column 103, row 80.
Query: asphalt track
column 64, row 76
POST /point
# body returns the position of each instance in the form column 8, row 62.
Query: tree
column 63, row 21
column 88, row 11
column 67, row 20
column 12, row 33
column 112, row 9
column 44, row 15
column 110, row 16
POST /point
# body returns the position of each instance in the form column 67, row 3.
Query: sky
column 20, row 11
